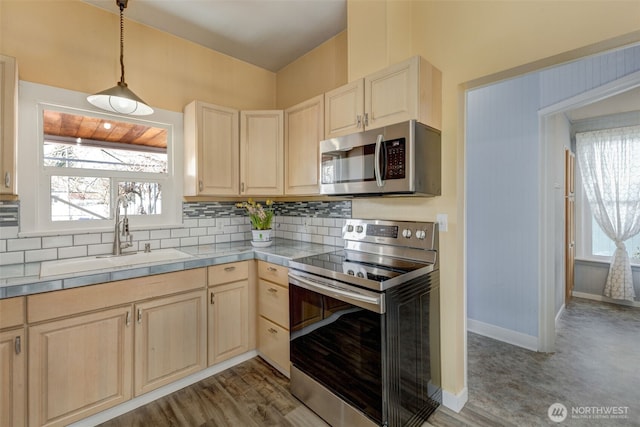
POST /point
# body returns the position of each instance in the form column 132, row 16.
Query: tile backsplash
column 203, row 223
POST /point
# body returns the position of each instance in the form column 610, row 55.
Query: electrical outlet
column 441, row 219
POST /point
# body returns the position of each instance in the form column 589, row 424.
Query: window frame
column 35, row 212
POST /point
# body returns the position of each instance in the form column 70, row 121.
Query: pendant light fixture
column 120, row 99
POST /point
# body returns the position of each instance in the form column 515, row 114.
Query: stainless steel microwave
column 400, row 159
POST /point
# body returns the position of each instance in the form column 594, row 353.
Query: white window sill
column 635, row 264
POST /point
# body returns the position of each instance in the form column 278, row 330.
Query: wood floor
column 595, row 364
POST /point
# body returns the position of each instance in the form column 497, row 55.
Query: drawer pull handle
column 212, row 300
column 18, row 345
column 272, row 269
column 273, row 331
column 128, row 318
column 273, row 290
column 229, row 268
column 139, row 316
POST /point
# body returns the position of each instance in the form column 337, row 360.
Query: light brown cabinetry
column 231, row 311
column 82, row 340
column 8, row 123
column 79, row 366
column 170, row 341
column 408, row 90
column 212, row 152
column 261, row 152
column 304, row 129
column 12, row 363
column 273, row 315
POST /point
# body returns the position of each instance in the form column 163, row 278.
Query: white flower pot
column 261, row 238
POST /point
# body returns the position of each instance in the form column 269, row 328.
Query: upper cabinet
column 304, row 129
column 408, row 90
column 232, row 153
column 261, row 152
column 8, row 121
column 212, row 152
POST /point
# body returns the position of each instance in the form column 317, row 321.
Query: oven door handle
column 375, row 304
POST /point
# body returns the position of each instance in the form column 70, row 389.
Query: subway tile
column 328, row 222
column 191, row 222
column 72, row 252
column 329, row 240
column 316, row 238
column 206, row 240
column 9, row 232
column 87, row 239
column 237, row 237
column 3, row 245
column 101, row 249
column 30, row 243
column 214, row 230
column 206, row 222
column 141, row 235
column 41, row 255
column 189, row 241
column 12, row 258
column 160, row 234
column 57, row 241
column 222, row 238
column 198, row 231
column 230, row 229
column 179, row 232
column 170, row 243
column 324, row 231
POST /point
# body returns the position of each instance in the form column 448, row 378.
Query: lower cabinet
column 273, row 314
column 170, row 340
column 94, row 347
column 12, row 378
column 231, row 311
column 79, row 366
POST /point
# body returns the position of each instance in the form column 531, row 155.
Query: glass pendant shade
column 120, row 99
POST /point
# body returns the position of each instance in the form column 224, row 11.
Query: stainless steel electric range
column 365, row 326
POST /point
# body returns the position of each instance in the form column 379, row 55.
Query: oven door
column 337, row 340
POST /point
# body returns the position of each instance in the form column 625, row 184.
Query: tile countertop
column 24, row 279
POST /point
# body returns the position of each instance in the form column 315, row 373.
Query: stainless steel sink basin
column 77, row 265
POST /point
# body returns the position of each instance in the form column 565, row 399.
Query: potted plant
column 261, row 218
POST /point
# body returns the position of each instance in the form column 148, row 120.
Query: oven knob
column 359, row 229
column 406, row 233
column 350, row 272
column 349, row 228
column 360, row 274
column 420, row 234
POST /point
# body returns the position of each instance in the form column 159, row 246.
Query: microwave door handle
column 376, row 165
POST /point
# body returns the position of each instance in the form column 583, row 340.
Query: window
column 85, row 158
column 593, row 243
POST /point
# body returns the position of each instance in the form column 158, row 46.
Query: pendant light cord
column 122, row 6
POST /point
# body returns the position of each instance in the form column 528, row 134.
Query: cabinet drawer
column 273, row 273
column 227, row 273
column 12, row 312
column 273, row 302
column 273, row 343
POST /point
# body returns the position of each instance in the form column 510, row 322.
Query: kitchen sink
column 77, row 265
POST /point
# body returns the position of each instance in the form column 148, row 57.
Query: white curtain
column 609, row 162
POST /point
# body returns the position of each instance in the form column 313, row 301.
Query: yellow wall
column 319, row 71
column 469, row 40
column 73, row 45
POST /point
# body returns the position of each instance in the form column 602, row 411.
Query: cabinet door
column 304, row 129
column 12, row 378
column 344, row 109
column 8, row 120
column 261, row 152
column 212, row 150
column 79, row 366
column 228, row 321
column 392, row 95
column 170, row 340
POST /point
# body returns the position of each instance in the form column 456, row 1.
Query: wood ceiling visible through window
column 74, row 126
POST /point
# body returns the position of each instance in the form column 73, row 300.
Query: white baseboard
column 559, row 314
column 529, row 342
column 455, row 402
column 602, row 298
column 134, row 403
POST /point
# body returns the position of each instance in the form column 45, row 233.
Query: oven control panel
column 419, row 235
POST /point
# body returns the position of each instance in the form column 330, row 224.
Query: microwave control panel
column 395, row 155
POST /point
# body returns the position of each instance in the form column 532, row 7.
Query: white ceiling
column 266, row 33
column 621, row 103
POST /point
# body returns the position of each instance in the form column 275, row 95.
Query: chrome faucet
column 121, row 231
